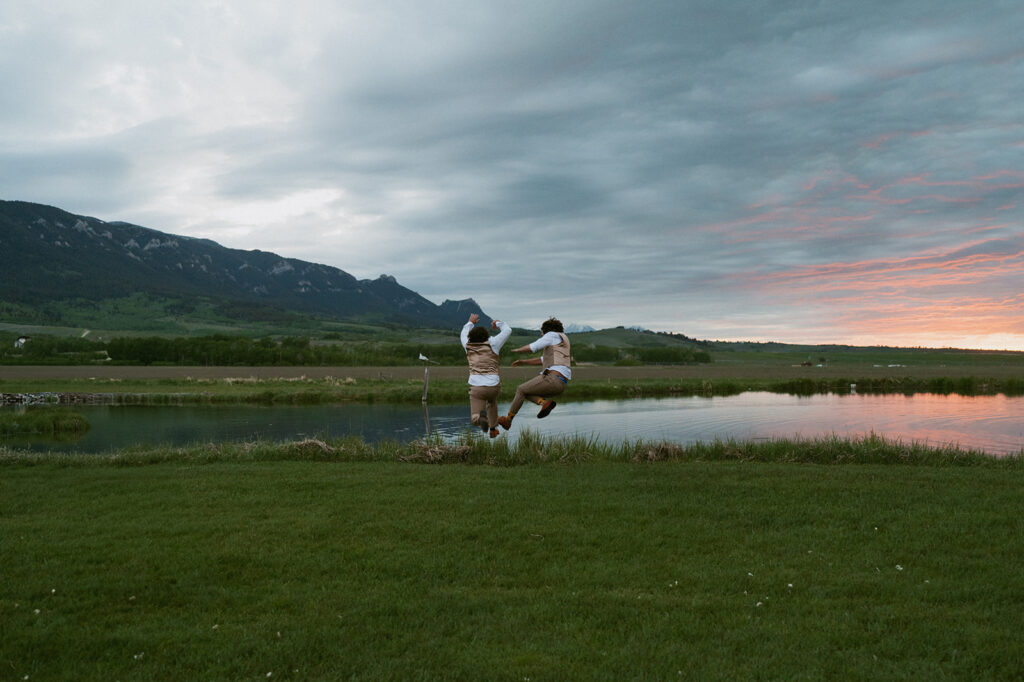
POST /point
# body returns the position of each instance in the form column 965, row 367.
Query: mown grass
column 321, row 561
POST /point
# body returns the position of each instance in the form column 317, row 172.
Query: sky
column 797, row 171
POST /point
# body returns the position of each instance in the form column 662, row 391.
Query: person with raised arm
column 484, row 380
column 552, row 380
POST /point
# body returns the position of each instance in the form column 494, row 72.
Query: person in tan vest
column 552, row 380
column 484, row 381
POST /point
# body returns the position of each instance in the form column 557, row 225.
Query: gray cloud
column 611, row 163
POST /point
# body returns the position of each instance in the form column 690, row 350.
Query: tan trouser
column 535, row 390
column 484, row 398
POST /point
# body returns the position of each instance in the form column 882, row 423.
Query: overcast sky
column 832, row 171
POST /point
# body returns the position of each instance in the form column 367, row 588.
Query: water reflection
column 991, row 423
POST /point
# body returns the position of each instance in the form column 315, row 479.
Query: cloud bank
column 835, row 172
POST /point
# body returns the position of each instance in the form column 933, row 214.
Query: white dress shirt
column 551, row 339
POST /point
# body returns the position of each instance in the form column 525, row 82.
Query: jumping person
column 484, row 381
column 552, row 380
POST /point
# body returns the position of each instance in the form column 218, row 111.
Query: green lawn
column 590, row 570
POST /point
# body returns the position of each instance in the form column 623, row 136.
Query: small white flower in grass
column 36, row 612
column 759, row 604
column 215, row 626
column 53, row 591
column 790, row 585
column 898, row 567
column 750, row 574
column 270, row 673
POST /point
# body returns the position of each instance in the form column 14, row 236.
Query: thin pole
column 426, row 379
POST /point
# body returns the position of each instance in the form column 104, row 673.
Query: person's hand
column 474, row 318
column 494, row 324
column 516, row 363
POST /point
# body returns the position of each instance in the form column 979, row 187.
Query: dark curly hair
column 478, row 335
column 552, row 325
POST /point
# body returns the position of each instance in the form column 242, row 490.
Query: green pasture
column 549, row 560
column 770, row 355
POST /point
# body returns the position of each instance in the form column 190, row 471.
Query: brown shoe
column 505, row 422
column 494, row 433
column 545, row 408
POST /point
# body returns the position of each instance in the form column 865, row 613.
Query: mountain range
column 49, row 255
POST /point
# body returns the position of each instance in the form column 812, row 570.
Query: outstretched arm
column 527, row 361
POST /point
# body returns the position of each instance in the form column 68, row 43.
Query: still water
column 994, row 424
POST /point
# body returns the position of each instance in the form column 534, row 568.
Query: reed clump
column 43, row 422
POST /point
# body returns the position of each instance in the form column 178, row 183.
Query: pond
column 994, row 424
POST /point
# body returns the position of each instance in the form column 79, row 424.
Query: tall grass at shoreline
column 317, row 561
column 56, row 422
column 536, row 449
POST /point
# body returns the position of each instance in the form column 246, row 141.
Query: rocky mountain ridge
column 49, row 254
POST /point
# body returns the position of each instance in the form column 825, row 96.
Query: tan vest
column 482, row 358
column 557, row 354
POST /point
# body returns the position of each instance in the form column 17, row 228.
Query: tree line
column 226, row 350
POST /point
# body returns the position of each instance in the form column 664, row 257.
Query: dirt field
column 580, row 372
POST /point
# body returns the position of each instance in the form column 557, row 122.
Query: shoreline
column 329, row 389
column 534, row 449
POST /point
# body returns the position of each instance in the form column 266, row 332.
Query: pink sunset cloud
column 959, row 292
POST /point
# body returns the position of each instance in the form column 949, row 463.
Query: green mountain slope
column 52, row 261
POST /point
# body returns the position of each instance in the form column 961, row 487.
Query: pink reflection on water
column 994, row 424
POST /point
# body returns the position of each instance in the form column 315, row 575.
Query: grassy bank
column 323, row 561
column 392, row 389
column 533, row 449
